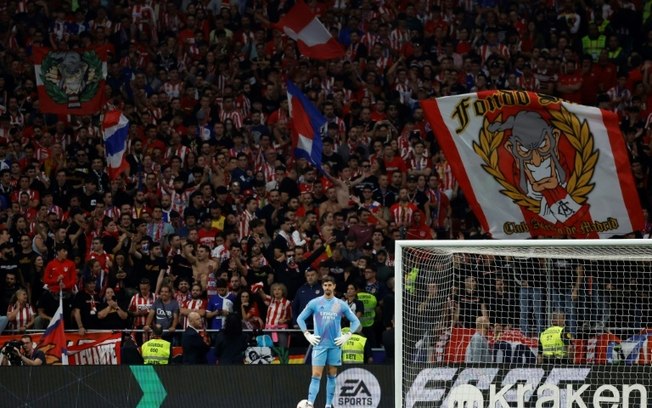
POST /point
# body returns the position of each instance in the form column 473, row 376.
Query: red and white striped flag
column 312, row 37
column 534, row 165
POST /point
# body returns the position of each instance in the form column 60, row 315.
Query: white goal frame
column 461, row 244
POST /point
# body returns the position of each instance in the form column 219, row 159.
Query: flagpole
column 64, row 354
column 61, row 298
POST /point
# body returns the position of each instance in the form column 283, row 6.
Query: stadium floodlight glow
column 438, row 282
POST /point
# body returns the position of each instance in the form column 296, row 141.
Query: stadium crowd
column 215, row 213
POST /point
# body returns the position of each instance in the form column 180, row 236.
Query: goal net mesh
column 516, row 290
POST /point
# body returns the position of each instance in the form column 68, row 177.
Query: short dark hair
column 221, row 283
column 328, row 278
column 355, row 284
column 256, row 222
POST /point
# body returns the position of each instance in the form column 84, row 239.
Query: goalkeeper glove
column 312, row 339
column 343, row 339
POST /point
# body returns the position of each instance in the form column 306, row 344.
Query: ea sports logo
column 356, row 388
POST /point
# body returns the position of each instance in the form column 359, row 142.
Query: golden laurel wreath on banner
column 82, row 70
column 578, row 134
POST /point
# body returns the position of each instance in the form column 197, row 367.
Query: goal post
column 446, row 291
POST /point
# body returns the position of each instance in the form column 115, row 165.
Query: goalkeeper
column 327, row 312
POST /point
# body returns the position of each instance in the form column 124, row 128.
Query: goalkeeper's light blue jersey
column 327, row 318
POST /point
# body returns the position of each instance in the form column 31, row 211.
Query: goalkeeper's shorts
column 326, row 356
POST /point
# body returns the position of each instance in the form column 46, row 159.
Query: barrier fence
column 368, row 386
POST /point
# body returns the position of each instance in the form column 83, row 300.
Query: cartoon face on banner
column 552, row 161
column 534, row 165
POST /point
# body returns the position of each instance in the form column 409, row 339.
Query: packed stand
column 215, row 214
column 518, row 304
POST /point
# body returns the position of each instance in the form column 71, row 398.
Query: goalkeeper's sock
column 330, row 389
column 313, row 390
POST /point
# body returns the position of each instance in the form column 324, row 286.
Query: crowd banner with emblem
column 70, row 82
column 90, row 349
column 535, row 165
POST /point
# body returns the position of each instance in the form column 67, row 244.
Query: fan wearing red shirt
column 419, row 230
column 60, row 272
column 187, row 35
column 606, row 71
column 590, row 82
column 569, row 85
column 24, row 187
column 440, row 209
column 97, row 252
column 207, row 234
column 394, row 163
column 402, row 213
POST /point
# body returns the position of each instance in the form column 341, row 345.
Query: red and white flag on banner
column 70, row 82
column 312, row 37
column 99, row 348
column 534, row 165
column 95, row 349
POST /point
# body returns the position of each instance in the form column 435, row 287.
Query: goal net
column 470, row 316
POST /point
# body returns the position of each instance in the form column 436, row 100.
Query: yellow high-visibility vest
column 156, row 351
column 615, row 53
column 353, row 350
column 552, row 343
column 369, row 315
column 593, row 47
column 410, row 279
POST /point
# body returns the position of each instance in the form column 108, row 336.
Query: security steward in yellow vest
column 555, row 342
column 356, row 350
column 156, row 351
column 369, row 302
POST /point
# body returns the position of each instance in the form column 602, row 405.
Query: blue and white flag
column 307, row 125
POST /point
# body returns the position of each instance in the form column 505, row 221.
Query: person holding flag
column 53, row 340
column 61, row 273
